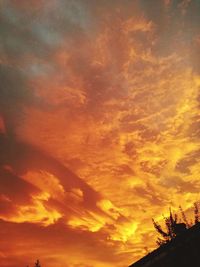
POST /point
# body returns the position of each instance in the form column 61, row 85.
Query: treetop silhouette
column 174, row 226
column 37, row 264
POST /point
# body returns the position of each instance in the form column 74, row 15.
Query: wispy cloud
column 99, row 106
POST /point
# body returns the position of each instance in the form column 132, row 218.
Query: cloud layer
column 99, row 128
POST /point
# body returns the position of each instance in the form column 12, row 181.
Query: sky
column 99, row 127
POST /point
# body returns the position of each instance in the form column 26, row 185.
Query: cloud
column 38, row 241
column 99, row 110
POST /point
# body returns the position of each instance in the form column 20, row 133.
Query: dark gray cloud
column 14, row 191
column 22, row 157
column 14, row 95
column 176, row 24
column 188, row 161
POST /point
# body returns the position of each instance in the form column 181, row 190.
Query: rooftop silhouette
column 182, row 251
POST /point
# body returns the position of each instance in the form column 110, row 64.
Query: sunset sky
column 99, row 127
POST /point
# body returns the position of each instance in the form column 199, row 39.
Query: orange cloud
column 99, row 127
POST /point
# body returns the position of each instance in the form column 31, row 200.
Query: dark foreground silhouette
column 182, row 251
column 37, row 264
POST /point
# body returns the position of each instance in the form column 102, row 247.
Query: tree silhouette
column 196, row 213
column 173, row 228
column 37, row 264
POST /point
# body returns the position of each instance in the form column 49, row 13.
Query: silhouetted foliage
column 37, row 264
column 171, row 228
column 184, row 218
column 196, row 213
column 174, row 228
